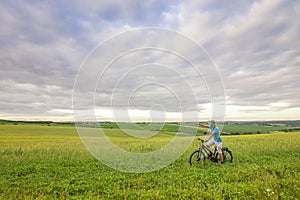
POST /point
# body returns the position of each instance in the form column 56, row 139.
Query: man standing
column 217, row 140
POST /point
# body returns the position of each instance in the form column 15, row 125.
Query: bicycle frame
column 204, row 149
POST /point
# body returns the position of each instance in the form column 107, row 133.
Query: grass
column 50, row 162
column 168, row 127
column 231, row 129
column 253, row 128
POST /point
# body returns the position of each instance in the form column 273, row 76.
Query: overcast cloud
column 255, row 44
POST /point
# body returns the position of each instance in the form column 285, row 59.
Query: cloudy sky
column 249, row 56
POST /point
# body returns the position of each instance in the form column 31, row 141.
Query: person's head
column 212, row 123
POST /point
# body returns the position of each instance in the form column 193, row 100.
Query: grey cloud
column 137, row 68
column 255, row 44
column 263, row 43
column 39, row 59
column 135, row 13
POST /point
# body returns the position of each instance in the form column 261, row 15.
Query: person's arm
column 210, row 136
column 204, row 125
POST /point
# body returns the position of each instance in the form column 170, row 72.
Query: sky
column 249, row 56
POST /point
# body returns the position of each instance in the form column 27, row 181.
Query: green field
column 229, row 129
column 237, row 129
column 50, row 162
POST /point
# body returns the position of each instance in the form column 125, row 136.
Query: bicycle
column 203, row 153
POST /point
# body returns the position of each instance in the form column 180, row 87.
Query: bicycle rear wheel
column 196, row 157
column 227, row 155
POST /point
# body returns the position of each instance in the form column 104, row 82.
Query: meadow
column 229, row 129
column 50, row 162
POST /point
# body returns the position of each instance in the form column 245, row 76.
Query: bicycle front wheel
column 227, row 155
column 196, row 157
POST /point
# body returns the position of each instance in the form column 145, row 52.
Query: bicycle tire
column 227, row 155
column 196, row 157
